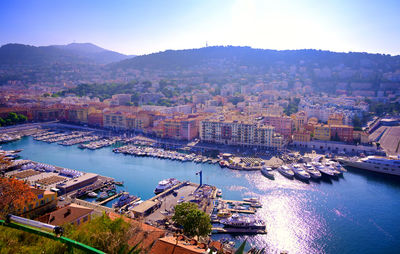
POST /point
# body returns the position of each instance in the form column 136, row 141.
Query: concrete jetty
column 220, row 230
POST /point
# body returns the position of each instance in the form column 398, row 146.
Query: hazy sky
column 141, row 27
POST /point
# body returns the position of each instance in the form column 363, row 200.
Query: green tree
column 193, row 221
column 22, row 118
column 13, row 117
column 110, row 236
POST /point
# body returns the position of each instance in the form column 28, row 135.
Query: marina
column 322, row 210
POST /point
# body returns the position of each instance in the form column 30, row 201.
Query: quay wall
column 333, row 146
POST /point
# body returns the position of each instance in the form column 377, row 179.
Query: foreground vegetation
column 102, row 233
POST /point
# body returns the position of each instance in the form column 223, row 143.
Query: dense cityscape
column 212, row 149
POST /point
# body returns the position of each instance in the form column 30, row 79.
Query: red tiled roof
column 68, row 214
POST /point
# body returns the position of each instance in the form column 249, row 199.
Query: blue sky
column 147, row 26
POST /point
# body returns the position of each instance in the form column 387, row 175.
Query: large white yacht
column 165, row 185
column 388, row 165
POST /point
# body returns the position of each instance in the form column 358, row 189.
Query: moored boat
column 387, row 165
column 286, row 171
column 238, row 221
column 165, row 185
column 324, row 170
column 92, row 194
column 300, row 172
column 267, row 172
column 314, row 173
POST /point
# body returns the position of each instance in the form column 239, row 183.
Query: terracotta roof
column 169, row 244
column 68, row 214
column 37, row 191
column 147, row 235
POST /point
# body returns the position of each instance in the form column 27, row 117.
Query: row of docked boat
column 76, row 141
column 50, row 136
column 163, row 154
column 41, row 133
column 306, row 171
column 98, row 144
column 240, row 166
column 63, row 138
column 5, row 138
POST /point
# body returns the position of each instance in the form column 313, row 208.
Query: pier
column 132, row 202
column 220, row 230
column 111, row 198
column 241, row 211
column 236, row 202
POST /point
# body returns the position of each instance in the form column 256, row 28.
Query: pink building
column 282, row 124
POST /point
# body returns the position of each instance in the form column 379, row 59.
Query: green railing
column 70, row 243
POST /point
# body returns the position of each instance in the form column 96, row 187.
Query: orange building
column 302, row 136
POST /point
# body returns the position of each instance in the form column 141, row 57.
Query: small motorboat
column 92, row 194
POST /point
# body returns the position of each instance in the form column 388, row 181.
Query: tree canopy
column 14, row 194
column 193, row 221
column 13, row 118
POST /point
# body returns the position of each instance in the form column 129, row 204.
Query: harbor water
column 356, row 213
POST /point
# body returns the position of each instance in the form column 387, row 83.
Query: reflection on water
column 293, row 225
column 356, row 213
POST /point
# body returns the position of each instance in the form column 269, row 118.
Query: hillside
column 246, row 56
column 75, row 53
column 93, row 52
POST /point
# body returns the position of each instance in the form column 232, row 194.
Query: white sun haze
column 279, row 25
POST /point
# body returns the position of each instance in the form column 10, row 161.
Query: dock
column 110, row 198
column 241, row 211
column 237, row 202
column 132, row 202
column 220, row 230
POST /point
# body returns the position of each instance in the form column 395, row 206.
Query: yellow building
column 44, row 201
column 138, row 121
column 116, row 120
column 78, row 114
column 322, row 132
column 302, row 136
column 299, row 120
column 335, row 119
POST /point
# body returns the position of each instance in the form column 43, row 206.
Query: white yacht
column 332, row 166
column 314, row 173
column 286, row 171
column 387, row 165
column 300, row 172
column 324, row 170
column 267, row 172
column 165, row 185
column 237, row 221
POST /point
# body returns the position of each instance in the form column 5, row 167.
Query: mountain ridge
column 186, row 58
column 86, row 53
